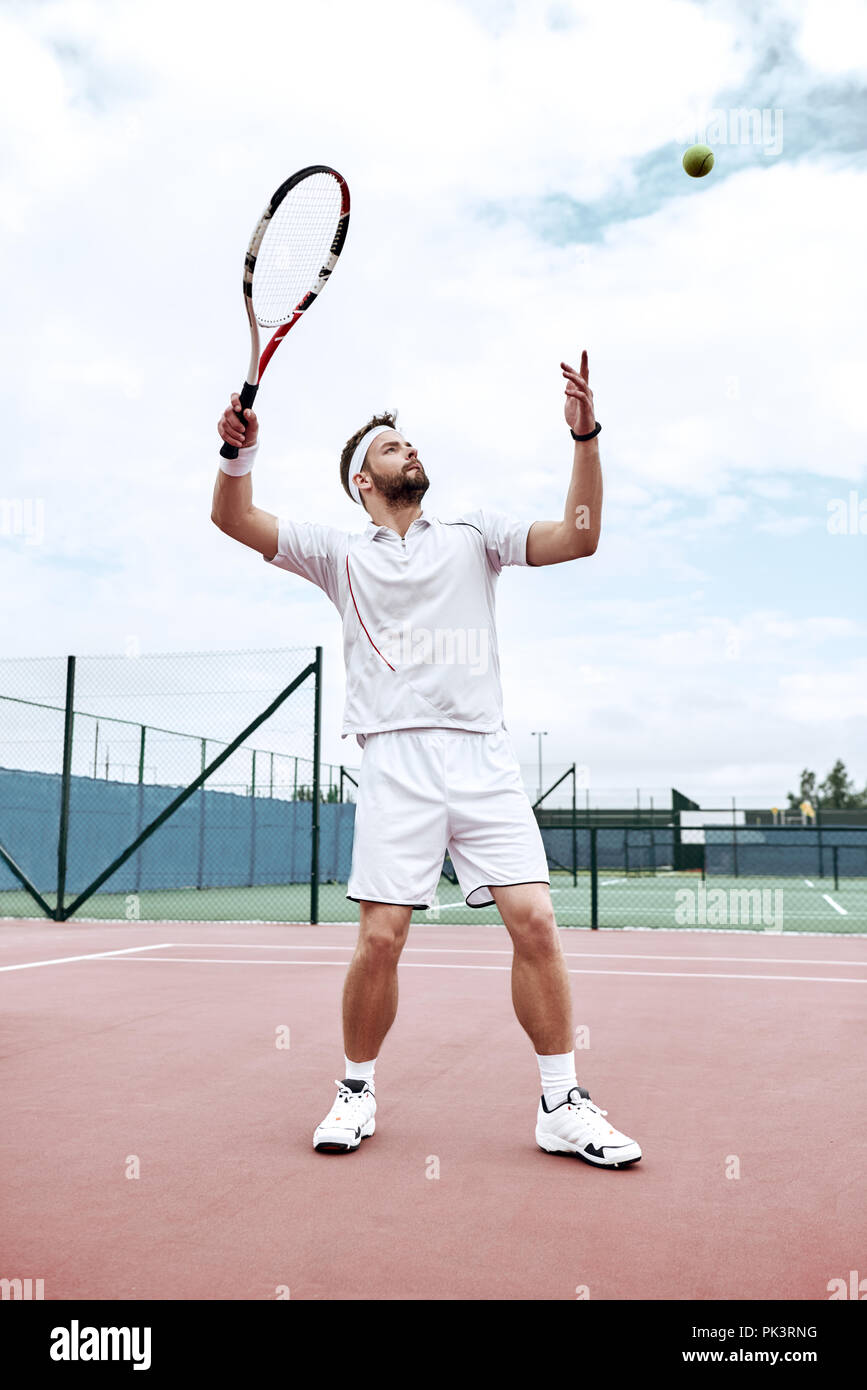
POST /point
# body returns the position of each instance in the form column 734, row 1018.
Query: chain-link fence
column 191, row 787
column 179, row 786
column 660, row 860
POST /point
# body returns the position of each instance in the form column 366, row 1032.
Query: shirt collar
column 372, row 531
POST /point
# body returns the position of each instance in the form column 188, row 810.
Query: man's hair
column 390, row 419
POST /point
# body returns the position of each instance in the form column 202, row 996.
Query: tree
column 807, row 792
column 837, row 792
column 305, row 793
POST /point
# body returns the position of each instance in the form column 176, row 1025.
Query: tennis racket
column 289, row 261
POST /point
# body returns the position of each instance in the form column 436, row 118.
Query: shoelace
column 345, row 1096
column 595, row 1115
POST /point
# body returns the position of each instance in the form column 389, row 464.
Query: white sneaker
column 579, row 1127
column 349, row 1120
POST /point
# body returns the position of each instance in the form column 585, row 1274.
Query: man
column 423, row 697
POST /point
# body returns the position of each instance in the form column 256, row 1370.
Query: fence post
column 574, row 831
column 63, row 831
column 314, row 810
column 594, row 880
column 735, row 837
column 201, row 866
column 819, row 833
column 139, row 820
column 252, row 875
column 836, row 879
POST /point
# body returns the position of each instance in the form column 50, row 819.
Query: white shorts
column 425, row 791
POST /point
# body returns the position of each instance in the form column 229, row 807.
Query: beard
column 400, row 489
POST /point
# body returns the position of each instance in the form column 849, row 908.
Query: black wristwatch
column 582, row 438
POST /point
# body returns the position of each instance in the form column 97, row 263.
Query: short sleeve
column 314, row 552
column 505, row 538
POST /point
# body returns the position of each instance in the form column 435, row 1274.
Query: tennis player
column 438, row 771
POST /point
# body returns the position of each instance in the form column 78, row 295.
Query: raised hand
column 579, row 398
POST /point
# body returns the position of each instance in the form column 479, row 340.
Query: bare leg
column 370, row 989
column 540, row 984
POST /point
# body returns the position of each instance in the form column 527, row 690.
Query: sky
column 517, row 195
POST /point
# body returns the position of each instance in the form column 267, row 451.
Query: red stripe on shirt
column 361, row 620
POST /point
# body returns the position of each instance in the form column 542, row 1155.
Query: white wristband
column 236, row 468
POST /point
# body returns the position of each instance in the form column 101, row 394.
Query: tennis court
column 173, row 1024
column 162, row 1084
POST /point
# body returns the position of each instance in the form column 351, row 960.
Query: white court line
column 794, row 934
column 506, row 951
column 431, row 965
column 446, row 926
column 837, row 906
column 809, row 884
column 94, row 955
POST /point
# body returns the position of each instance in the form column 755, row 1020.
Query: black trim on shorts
column 489, row 886
column 416, row 907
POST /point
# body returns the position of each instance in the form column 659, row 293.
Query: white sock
column 359, row 1071
column 557, row 1071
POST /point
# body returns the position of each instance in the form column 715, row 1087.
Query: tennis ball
column 698, row 161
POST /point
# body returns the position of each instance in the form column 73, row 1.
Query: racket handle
column 248, row 395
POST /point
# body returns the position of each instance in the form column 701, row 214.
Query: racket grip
column 248, row 395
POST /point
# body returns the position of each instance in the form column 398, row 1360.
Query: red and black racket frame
column 258, row 362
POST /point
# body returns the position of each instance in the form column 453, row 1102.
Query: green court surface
column 664, row 900
column 719, row 903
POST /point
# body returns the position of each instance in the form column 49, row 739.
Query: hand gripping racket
column 289, row 261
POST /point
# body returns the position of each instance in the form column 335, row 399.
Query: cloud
column 517, row 194
column 822, row 696
column 833, row 39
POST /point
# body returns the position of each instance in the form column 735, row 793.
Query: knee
column 536, row 935
column 381, row 945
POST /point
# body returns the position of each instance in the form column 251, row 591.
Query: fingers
column 585, row 367
column 231, row 429
column 577, row 386
column 578, row 390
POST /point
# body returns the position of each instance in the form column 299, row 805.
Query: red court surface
column 736, row 1060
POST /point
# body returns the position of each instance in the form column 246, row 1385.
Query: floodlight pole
column 542, row 733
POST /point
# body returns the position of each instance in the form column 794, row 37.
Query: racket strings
column 295, row 247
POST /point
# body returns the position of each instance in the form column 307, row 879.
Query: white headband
column 358, row 459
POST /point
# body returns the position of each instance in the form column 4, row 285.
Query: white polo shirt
column 419, row 627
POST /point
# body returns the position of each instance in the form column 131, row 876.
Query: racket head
column 295, row 245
